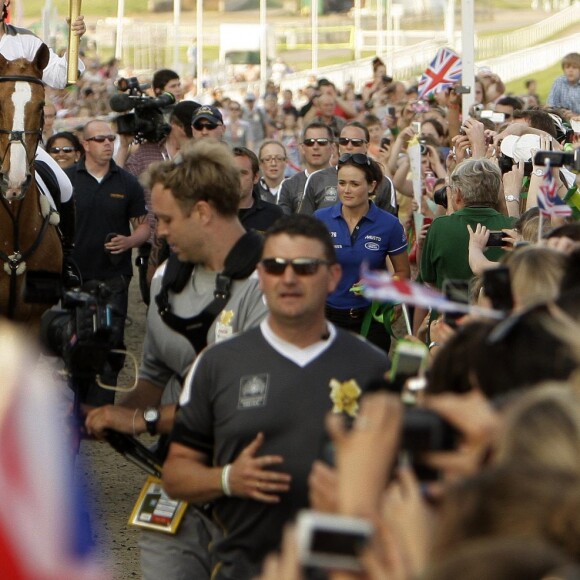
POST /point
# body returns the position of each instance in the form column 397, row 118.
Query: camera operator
column 109, row 203
column 147, row 153
column 167, row 81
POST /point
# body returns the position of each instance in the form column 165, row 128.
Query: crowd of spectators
column 416, row 186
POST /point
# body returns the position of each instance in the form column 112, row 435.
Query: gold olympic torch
column 72, row 71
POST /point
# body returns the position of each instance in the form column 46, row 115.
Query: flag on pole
column 549, row 202
column 443, row 72
column 42, row 525
column 379, row 285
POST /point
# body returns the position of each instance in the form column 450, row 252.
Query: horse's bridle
column 18, row 136
column 17, row 258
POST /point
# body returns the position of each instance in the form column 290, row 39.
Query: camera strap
column 239, row 264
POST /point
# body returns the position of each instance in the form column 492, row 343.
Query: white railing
column 499, row 44
column 411, row 61
column 530, row 60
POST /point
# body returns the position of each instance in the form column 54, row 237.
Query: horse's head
column 21, row 107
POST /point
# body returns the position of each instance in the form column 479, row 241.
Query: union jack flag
column 549, row 202
column 444, row 71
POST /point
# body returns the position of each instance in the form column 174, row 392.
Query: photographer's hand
column 285, row 565
column 478, row 424
column 477, row 245
column 408, row 517
column 323, row 488
column 365, row 454
column 475, row 132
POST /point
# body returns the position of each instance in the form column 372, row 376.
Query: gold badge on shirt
column 224, row 327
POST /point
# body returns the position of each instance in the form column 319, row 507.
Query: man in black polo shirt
column 253, row 408
column 254, row 212
column 111, row 220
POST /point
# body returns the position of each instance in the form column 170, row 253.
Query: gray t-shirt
column 167, row 355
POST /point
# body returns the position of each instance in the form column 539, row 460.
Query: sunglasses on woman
column 57, row 150
column 301, row 266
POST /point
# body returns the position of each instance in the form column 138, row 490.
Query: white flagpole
column 467, row 54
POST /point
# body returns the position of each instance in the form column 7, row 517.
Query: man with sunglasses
column 321, row 189
column 208, row 122
column 316, row 149
column 111, row 220
column 249, row 430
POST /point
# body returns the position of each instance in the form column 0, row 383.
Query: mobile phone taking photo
column 331, row 541
column 496, row 240
column 409, row 360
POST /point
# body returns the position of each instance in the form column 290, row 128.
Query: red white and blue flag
column 443, row 72
column 43, row 525
column 549, row 202
column 380, row 286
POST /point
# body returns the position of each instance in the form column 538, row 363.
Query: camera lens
column 440, row 196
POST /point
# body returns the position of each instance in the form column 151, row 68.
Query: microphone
column 121, row 103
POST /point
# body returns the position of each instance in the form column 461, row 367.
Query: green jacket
column 446, row 250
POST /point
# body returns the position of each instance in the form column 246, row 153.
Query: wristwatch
column 539, row 172
column 511, row 197
column 151, row 416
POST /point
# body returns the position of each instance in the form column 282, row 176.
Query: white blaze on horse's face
column 18, row 176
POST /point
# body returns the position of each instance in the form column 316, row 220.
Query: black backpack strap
column 239, row 264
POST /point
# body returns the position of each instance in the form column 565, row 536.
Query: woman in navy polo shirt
column 361, row 232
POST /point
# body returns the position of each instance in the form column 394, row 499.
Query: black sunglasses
column 208, row 126
column 301, row 266
column 311, row 142
column 102, row 138
column 356, row 158
column 347, row 140
column 63, row 149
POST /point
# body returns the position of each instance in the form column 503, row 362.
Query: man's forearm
column 140, row 235
column 188, row 480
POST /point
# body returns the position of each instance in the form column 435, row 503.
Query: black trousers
column 352, row 319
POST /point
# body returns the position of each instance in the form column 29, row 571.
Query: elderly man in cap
column 208, row 122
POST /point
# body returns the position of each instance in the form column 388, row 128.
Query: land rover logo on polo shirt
column 253, row 391
column 330, row 193
column 372, row 246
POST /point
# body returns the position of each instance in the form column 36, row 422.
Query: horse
column 29, row 240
